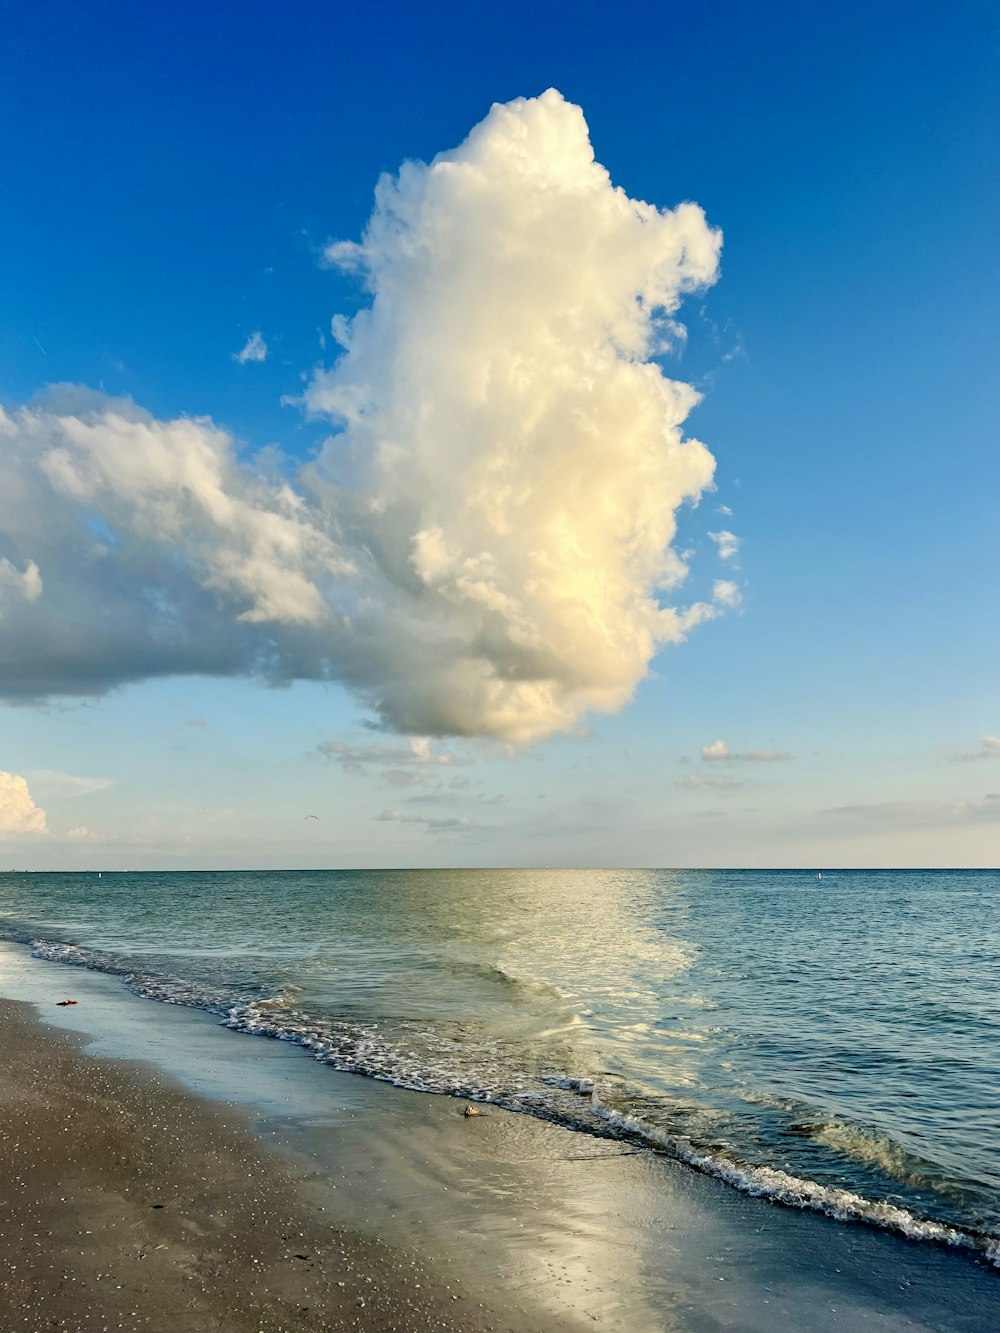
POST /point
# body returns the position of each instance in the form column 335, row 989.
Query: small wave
column 572, row 1102
column 62, row 953
column 797, row 1192
column 879, row 1151
column 146, row 985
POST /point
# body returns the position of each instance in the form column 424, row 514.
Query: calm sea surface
column 833, row 1044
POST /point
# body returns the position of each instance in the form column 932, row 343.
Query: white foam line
column 797, row 1192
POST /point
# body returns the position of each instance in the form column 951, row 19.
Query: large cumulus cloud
column 485, row 546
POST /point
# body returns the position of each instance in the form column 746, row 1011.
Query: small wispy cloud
column 726, row 593
column 989, row 748
column 724, row 510
column 727, row 542
column 50, row 784
column 418, row 752
column 921, row 813
column 693, row 780
column 450, row 798
column 449, row 824
column 407, row 777
column 254, row 350
column 719, row 751
column 348, row 256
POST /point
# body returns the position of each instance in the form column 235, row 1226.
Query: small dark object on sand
column 61, row 1004
column 471, row 1110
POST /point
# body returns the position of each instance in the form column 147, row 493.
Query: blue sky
column 172, row 177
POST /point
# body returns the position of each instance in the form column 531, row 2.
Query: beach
column 500, row 767
column 129, row 1204
column 259, row 1155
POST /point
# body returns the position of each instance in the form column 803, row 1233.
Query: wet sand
column 125, row 1203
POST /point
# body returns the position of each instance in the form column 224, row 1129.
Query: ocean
column 830, row 1043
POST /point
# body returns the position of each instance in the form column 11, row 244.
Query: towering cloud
column 18, row 811
column 485, row 546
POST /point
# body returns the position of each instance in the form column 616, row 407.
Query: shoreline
column 130, row 1204
column 774, row 1182
column 530, row 1225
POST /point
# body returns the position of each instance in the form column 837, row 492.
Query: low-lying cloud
column 415, row 763
column 50, row 784
column 485, row 546
column 449, row 824
column 921, row 814
column 719, row 752
column 989, row 748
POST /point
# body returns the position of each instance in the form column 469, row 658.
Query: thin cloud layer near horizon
column 398, row 513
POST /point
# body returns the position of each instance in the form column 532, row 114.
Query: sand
column 127, row 1204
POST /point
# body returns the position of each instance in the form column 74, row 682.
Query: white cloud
column 726, row 593
column 716, row 750
column 346, row 255
column 159, row 551
column 254, row 350
column 499, row 564
column 720, row 751
column 525, row 459
column 18, row 811
column 727, row 542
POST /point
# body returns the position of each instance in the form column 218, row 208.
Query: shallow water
column 831, row 1043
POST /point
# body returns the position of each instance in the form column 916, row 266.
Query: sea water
column 833, row 1043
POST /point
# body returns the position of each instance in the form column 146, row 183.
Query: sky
column 499, row 435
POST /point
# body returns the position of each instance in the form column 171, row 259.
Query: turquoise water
column 833, row 1044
